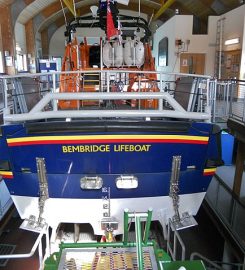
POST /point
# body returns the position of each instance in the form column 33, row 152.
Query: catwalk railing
column 230, row 101
column 179, row 96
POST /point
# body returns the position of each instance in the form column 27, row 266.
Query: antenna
column 94, row 10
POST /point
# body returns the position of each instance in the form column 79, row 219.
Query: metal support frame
column 163, row 8
column 139, row 241
column 177, row 239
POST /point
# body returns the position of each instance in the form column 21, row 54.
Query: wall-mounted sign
column 9, row 61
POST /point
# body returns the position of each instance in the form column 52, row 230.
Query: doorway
column 192, row 63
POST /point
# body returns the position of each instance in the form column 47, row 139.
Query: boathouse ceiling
column 49, row 12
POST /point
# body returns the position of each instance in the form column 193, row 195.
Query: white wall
column 57, row 42
column 234, row 26
column 180, row 27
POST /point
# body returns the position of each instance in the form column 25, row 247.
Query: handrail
column 39, row 111
column 34, row 75
column 216, row 264
column 33, row 249
column 199, row 256
column 36, row 113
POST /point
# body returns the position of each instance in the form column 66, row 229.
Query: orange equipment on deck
column 77, row 58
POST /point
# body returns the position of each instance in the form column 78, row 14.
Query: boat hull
column 90, row 210
column 108, row 150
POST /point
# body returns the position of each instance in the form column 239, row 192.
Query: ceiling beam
column 70, row 6
column 165, row 6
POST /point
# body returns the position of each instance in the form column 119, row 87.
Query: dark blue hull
column 108, row 151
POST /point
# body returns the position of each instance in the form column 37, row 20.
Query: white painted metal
column 58, row 210
column 39, row 111
column 104, row 114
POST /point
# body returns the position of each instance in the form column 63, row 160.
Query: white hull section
column 58, row 211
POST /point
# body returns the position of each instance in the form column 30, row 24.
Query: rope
column 63, row 11
column 75, row 12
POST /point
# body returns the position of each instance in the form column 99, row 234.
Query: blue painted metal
column 64, row 170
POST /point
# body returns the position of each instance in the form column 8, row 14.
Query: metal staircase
column 19, row 100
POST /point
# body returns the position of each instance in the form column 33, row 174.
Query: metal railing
column 37, row 245
column 175, row 244
column 109, row 90
column 237, row 103
column 230, row 101
column 218, row 99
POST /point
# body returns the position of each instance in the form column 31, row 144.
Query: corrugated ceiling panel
column 33, row 9
column 4, row 3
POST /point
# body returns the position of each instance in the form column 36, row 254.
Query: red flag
column 110, row 28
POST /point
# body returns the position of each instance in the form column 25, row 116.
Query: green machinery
column 141, row 254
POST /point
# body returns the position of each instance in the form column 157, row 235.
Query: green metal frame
column 162, row 258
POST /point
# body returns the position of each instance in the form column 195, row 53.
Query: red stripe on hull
column 208, row 173
column 7, row 176
column 107, row 141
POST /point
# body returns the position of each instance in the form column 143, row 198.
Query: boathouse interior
column 189, row 38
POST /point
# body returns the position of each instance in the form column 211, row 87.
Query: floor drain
column 4, row 250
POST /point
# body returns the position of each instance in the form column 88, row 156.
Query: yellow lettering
column 93, row 148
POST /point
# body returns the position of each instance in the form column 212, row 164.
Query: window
column 21, row 62
column 200, row 26
column 163, row 52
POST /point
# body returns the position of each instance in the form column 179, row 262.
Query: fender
column 107, row 54
column 128, row 52
column 139, row 54
column 118, row 54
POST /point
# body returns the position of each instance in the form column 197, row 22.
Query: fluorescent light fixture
column 232, row 41
column 123, row 2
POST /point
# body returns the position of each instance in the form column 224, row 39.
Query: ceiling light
column 94, row 10
column 232, row 41
column 123, row 2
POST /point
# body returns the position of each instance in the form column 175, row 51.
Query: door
column 192, row 63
